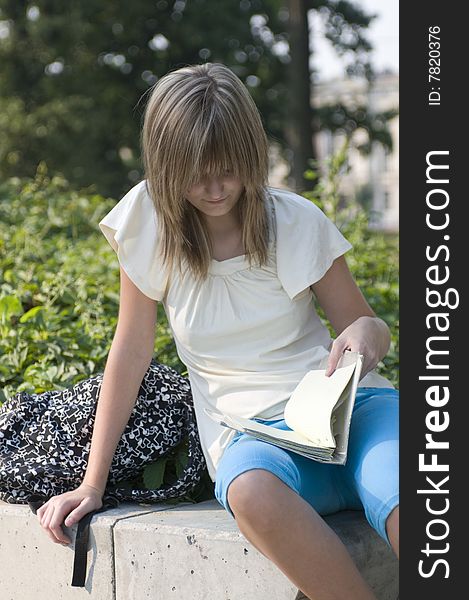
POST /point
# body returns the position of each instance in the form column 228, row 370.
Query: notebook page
column 309, row 409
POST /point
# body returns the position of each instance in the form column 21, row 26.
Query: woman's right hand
column 69, row 507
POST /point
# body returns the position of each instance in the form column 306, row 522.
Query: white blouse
column 246, row 335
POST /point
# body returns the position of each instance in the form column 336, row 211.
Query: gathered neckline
column 229, row 265
column 228, row 259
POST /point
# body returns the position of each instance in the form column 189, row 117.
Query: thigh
column 313, row 481
column 371, row 474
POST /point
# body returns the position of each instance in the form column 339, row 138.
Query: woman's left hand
column 366, row 335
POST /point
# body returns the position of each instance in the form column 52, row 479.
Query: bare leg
column 392, row 529
column 289, row 532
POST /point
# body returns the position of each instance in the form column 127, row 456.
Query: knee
column 251, row 496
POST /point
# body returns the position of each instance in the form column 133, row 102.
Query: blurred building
column 373, row 178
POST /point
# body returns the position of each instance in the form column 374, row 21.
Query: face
column 215, row 195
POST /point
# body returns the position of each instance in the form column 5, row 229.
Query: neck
column 223, row 225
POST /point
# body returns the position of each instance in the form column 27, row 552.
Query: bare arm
column 356, row 325
column 128, row 360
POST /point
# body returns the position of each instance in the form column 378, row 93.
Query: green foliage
column 374, row 259
column 59, row 287
column 344, row 119
column 74, row 82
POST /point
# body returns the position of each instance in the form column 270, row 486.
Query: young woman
column 236, row 264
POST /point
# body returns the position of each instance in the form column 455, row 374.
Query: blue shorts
column 368, row 481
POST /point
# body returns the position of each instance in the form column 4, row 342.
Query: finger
column 42, row 510
column 336, row 352
column 46, row 516
column 56, row 528
column 80, row 511
column 45, row 524
column 73, row 518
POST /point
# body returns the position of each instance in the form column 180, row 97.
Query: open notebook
column 318, row 412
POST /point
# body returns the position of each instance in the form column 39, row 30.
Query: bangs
column 214, row 144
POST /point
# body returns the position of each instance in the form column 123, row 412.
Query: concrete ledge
column 183, row 552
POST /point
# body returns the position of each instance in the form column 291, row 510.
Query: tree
column 345, row 24
column 74, row 81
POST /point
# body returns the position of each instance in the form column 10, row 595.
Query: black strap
column 81, row 541
column 81, row 549
column 35, row 501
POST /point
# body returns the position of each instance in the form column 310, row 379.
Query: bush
column 59, row 287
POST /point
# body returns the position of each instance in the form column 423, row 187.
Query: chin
column 217, row 209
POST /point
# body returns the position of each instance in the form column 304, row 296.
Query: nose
column 215, row 188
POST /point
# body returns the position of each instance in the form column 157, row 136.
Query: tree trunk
column 299, row 131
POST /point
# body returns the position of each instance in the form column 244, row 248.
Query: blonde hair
column 201, row 119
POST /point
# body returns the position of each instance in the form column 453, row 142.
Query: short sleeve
column 307, row 241
column 131, row 229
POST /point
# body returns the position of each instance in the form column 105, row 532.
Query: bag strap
column 81, row 541
column 83, row 531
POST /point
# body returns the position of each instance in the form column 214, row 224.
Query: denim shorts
column 368, row 481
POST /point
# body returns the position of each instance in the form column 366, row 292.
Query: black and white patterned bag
column 45, row 441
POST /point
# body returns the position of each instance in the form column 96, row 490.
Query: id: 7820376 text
column 434, row 65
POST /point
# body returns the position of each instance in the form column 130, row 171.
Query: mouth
column 217, row 201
